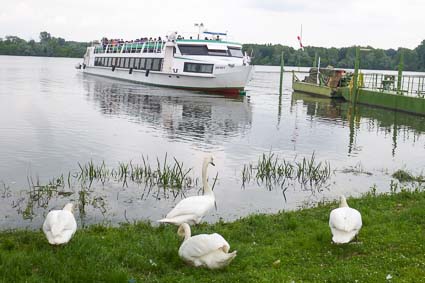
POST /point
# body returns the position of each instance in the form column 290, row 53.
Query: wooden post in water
column 400, row 72
column 281, row 73
column 356, row 75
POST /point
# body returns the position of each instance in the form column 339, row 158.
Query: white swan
column 60, row 225
column 205, row 250
column 345, row 223
column 191, row 210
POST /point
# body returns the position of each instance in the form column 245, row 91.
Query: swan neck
column 187, row 232
column 343, row 202
column 207, row 189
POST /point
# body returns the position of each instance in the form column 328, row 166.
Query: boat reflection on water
column 408, row 127
column 182, row 114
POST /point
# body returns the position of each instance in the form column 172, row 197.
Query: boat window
column 103, row 61
column 214, row 52
column 96, row 61
column 193, row 49
column 198, row 68
column 114, row 61
column 109, row 63
column 235, row 52
column 121, row 62
column 156, row 64
column 148, row 63
column 136, row 63
column 131, row 62
column 142, row 64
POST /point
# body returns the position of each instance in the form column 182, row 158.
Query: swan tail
column 232, row 255
column 167, row 220
column 180, row 219
column 228, row 258
column 343, row 237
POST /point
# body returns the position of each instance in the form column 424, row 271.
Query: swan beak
column 212, row 163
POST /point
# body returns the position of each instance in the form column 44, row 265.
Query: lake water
column 52, row 118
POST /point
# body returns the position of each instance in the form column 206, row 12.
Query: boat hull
column 230, row 82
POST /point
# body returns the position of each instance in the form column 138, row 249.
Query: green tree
column 420, row 51
column 45, row 36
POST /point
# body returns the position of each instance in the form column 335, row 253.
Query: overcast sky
column 378, row 23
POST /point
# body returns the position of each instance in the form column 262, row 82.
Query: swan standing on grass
column 205, row 250
column 191, row 210
column 60, row 225
column 345, row 223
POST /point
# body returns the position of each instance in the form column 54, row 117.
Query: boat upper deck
column 156, row 46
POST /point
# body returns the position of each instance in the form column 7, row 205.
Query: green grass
column 392, row 241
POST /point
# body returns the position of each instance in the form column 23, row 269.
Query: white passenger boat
column 208, row 64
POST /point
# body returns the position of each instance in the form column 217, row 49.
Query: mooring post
column 315, row 60
column 400, row 72
column 356, row 74
column 281, row 73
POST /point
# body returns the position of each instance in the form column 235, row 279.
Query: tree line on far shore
column 264, row 54
column 376, row 59
column 48, row 46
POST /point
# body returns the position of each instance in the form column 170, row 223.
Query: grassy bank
column 287, row 247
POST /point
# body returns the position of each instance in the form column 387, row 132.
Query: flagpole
column 301, row 33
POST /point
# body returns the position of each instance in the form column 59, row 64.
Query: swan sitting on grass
column 191, row 210
column 345, row 223
column 205, row 250
column 60, row 225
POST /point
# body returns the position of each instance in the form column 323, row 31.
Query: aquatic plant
column 166, row 174
column 405, row 176
column 163, row 179
column 356, row 170
column 272, row 170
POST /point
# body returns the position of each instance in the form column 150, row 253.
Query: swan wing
column 50, row 220
column 201, row 245
column 345, row 219
column 68, row 220
column 196, row 205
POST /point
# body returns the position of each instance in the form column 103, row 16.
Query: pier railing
column 411, row 85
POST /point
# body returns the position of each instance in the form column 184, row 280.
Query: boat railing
column 411, row 85
column 132, row 47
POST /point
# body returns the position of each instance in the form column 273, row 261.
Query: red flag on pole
column 301, row 44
